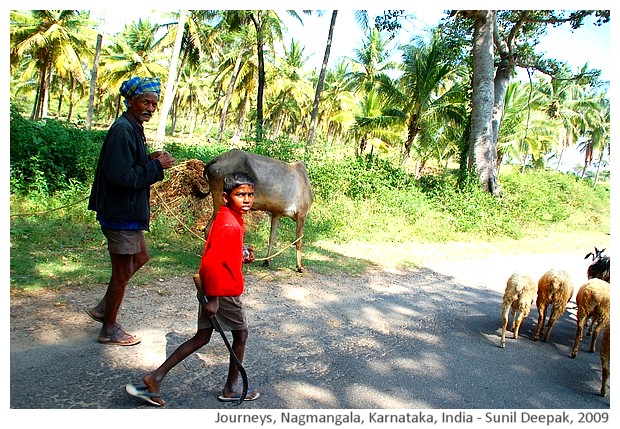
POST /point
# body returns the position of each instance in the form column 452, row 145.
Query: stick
column 202, row 298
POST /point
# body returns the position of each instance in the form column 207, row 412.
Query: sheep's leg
column 604, row 356
column 605, row 380
column 591, row 328
column 556, row 312
column 505, row 313
column 517, row 322
column 581, row 321
column 595, row 336
column 542, row 308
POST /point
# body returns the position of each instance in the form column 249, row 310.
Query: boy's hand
column 213, row 304
column 248, row 254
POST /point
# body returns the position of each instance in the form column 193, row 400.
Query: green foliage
column 357, row 177
column 544, row 198
column 202, row 152
column 283, row 149
column 46, row 156
column 56, row 241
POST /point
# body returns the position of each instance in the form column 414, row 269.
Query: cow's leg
column 299, row 232
column 275, row 221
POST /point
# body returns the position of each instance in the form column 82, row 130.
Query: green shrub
column 203, row 152
column 46, row 155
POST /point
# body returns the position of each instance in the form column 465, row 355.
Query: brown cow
column 282, row 189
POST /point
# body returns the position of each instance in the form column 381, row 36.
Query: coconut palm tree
column 290, row 91
column 598, row 135
column 370, row 61
column 527, row 133
column 173, row 74
column 321, row 82
column 376, row 124
column 133, row 51
column 50, row 42
column 429, row 92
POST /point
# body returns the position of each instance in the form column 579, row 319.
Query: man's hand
column 165, row 158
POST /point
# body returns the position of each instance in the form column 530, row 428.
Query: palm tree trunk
column 71, row 97
column 229, row 91
column 319, row 85
column 93, row 79
column 172, row 77
column 261, row 75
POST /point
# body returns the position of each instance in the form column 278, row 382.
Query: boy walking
column 222, row 280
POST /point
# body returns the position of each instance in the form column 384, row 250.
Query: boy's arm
column 211, row 304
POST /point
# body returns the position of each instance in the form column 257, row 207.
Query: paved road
column 417, row 339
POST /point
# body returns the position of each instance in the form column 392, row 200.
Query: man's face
column 143, row 106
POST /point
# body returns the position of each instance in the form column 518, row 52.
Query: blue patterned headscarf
column 139, row 85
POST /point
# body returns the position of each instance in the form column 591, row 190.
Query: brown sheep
column 518, row 297
column 592, row 302
column 555, row 288
column 604, row 355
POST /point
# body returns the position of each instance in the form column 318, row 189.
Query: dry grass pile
column 182, row 195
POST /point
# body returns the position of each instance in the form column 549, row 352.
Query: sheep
column 604, row 355
column 599, row 268
column 592, row 302
column 555, row 288
column 519, row 296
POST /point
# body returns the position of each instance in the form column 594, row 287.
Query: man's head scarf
column 139, row 85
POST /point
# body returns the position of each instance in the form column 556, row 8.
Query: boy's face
column 240, row 199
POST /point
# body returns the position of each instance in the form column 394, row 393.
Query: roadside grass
column 65, row 248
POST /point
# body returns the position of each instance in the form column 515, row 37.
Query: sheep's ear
column 601, row 251
column 588, row 255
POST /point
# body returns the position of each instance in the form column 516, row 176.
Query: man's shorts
column 231, row 315
column 124, row 242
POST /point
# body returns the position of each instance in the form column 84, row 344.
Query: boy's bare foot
column 153, row 387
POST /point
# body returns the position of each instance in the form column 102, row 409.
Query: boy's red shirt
column 220, row 266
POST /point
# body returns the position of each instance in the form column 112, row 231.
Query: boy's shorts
column 123, row 242
column 231, row 315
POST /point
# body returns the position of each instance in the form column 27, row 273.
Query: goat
column 282, row 189
column 555, row 288
column 604, row 355
column 599, row 268
column 592, row 302
column 518, row 299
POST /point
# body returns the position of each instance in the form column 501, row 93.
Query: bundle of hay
column 183, row 195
